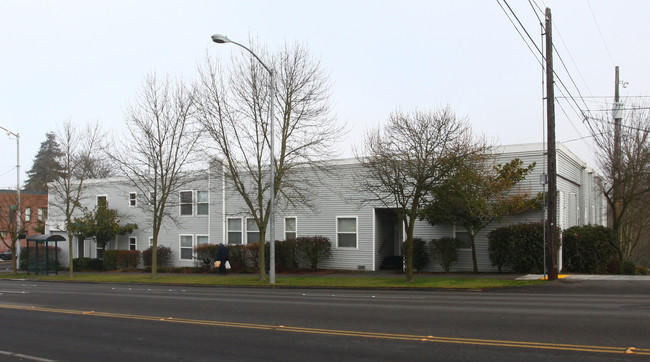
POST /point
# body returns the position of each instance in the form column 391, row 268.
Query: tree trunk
column 474, row 263
column 409, row 248
column 70, row 256
column 261, row 265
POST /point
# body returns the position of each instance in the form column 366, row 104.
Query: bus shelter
column 42, row 257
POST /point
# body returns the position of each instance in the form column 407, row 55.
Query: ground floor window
column 290, row 228
column 186, row 246
column 202, row 239
column 133, row 243
column 346, row 232
column 252, row 231
column 234, row 227
column 464, row 241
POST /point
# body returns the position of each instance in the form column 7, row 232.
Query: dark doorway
column 388, row 238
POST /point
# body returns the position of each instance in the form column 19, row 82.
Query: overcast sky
column 84, row 60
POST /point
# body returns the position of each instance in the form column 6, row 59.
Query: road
column 588, row 320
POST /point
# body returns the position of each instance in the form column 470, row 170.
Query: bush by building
column 163, row 256
column 444, row 250
column 588, row 249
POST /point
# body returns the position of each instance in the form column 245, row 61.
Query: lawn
column 311, row 281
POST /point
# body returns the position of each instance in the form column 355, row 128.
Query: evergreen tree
column 46, row 167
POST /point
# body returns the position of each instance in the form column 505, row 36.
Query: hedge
column 521, row 246
column 588, row 249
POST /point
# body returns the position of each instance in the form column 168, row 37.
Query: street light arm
column 221, row 39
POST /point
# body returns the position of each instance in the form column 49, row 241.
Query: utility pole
column 551, row 255
column 616, row 165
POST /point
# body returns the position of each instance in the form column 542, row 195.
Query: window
column 290, row 229
column 102, row 200
column 133, row 243
column 42, row 213
column 202, row 239
column 346, row 232
column 202, row 202
column 133, row 199
column 234, row 231
column 151, row 241
column 28, row 214
column 252, row 232
column 186, row 203
column 186, row 245
column 464, row 242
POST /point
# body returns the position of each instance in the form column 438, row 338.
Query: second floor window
column 186, row 203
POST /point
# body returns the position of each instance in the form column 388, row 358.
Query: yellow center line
column 348, row 333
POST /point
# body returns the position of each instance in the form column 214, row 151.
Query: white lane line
column 24, row 356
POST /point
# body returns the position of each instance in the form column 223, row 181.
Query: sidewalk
column 588, row 277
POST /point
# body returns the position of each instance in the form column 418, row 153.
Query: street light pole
column 221, row 39
column 17, row 135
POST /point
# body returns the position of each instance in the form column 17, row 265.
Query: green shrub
column 110, row 259
column 614, row 266
column 206, row 255
column 587, row 249
column 628, row 268
column 252, row 252
column 128, row 259
column 163, row 256
column 287, row 255
column 526, row 244
column 236, row 257
column 87, row 264
column 420, row 254
column 314, row 249
column 641, row 270
column 444, row 250
column 500, row 247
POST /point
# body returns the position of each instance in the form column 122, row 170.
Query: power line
column 599, row 32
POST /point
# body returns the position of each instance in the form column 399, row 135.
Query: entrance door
column 388, row 236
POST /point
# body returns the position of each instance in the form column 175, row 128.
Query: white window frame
column 133, row 199
column 181, row 247
column 150, row 241
column 197, row 236
column 105, row 197
column 28, row 214
column 134, row 243
column 181, row 203
column 206, row 203
column 253, row 231
column 41, row 213
column 241, row 230
column 457, row 230
column 295, row 225
column 356, row 232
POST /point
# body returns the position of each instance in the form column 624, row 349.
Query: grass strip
column 329, row 281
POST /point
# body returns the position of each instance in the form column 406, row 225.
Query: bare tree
column 403, row 162
column 76, row 144
column 627, row 177
column 158, row 147
column 234, row 112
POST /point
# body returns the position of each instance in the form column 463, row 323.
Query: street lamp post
column 221, row 39
column 17, row 135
